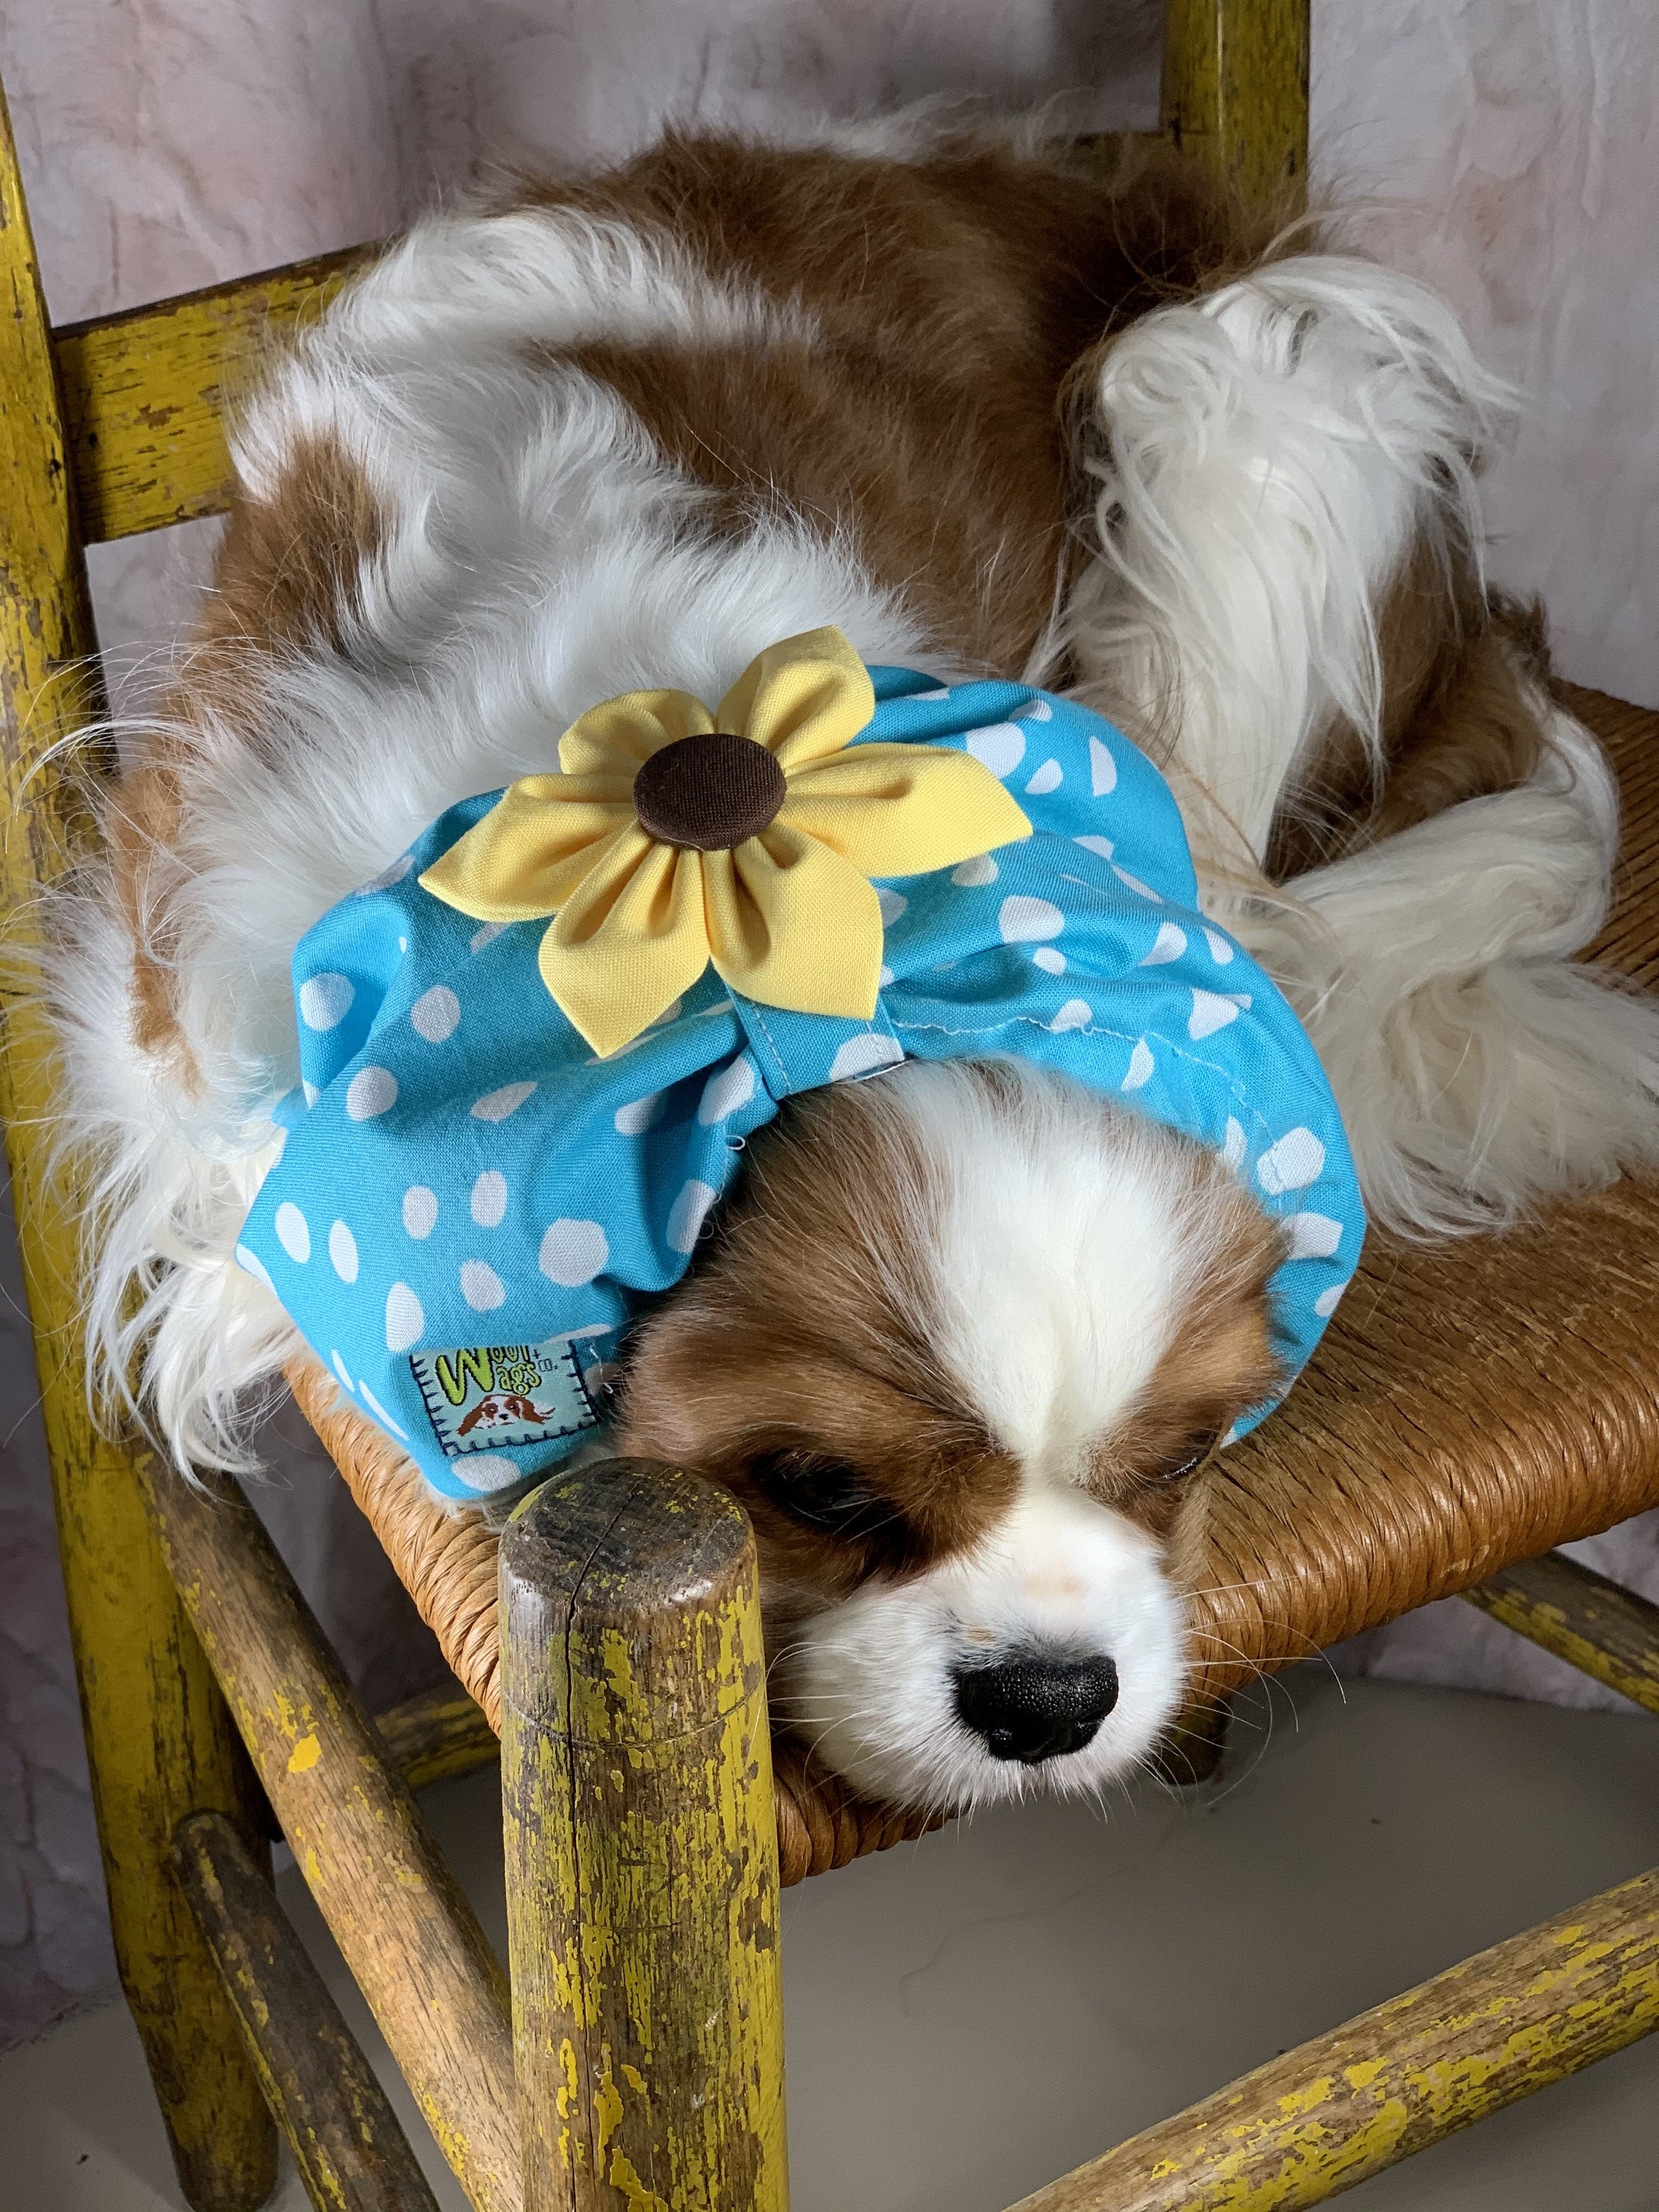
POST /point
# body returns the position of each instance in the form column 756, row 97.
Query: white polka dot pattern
column 371, row 1092
column 726, row 1092
column 325, row 1000
column 981, row 869
column 488, row 1199
column 1295, row 1161
column 688, row 1213
column 481, row 1286
column 639, row 1115
column 1022, row 920
column 573, row 1252
column 405, row 1322
column 1170, row 944
column 420, row 1210
column 436, row 1014
column 496, row 1105
column 1212, row 1011
column 293, row 1231
column 487, row 1471
column 1001, row 748
column 860, row 1055
column 1313, row 1236
column 437, row 1189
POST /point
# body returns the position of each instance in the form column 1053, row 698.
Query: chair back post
column 641, row 1848
column 158, row 1739
column 1236, row 91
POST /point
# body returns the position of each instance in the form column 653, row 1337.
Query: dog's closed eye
column 1186, row 1460
column 823, row 1492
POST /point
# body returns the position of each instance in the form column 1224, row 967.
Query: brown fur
column 953, row 296
column 804, row 1339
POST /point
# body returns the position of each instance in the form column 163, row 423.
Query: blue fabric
column 459, row 1170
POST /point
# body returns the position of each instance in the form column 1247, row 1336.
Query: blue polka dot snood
column 470, row 1207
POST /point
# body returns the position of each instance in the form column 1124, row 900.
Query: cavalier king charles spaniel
column 960, row 1334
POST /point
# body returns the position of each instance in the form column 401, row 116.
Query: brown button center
column 708, row 793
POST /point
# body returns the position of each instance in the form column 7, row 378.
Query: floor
column 1043, row 1983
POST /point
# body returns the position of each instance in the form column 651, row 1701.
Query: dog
column 962, row 1334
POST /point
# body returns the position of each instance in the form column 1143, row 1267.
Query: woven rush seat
column 1470, row 1406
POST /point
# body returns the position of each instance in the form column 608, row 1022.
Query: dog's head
column 958, row 1341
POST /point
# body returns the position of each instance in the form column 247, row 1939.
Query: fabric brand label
column 481, row 1397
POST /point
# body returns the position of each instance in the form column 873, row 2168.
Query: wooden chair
column 1469, row 1410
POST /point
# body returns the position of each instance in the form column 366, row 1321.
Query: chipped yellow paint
column 158, row 1740
column 648, row 1969
column 145, row 393
column 1318, row 2120
column 639, row 2198
column 304, row 1754
column 1569, row 1610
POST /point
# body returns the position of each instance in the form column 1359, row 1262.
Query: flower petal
column 628, row 941
column 528, row 853
column 791, row 924
column 803, row 699
column 620, row 733
column 903, row 810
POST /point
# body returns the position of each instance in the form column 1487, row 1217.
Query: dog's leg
column 1286, row 470
column 1479, row 1067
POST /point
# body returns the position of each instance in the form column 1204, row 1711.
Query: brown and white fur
column 964, row 1330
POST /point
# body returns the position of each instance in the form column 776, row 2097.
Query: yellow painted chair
column 1468, row 1410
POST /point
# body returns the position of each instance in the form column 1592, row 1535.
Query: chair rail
column 145, row 393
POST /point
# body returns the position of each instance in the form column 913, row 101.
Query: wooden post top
column 636, row 1560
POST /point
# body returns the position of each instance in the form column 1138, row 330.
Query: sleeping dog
column 1042, row 452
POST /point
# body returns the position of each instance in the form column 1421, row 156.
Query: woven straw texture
column 1469, row 1406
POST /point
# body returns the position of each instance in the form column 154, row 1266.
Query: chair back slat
column 144, row 393
column 1235, row 91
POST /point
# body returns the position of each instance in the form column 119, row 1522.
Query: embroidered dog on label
column 481, row 1396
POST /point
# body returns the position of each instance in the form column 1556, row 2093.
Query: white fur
column 1267, row 456
column 1479, row 1068
column 540, row 557
column 1053, row 1274
column 869, row 1684
column 1059, row 1259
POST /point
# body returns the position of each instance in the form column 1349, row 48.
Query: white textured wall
column 167, row 143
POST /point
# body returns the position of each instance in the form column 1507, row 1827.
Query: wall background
column 1506, row 149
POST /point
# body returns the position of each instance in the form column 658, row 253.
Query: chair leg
column 159, row 1739
column 642, row 1850
column 1583, row 1618
column 161, row 1746
column 1236, row 89
column 1322, row 2118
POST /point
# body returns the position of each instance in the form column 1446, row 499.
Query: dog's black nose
column 1031, row 1709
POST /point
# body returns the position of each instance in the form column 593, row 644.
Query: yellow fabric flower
column 667, row 844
